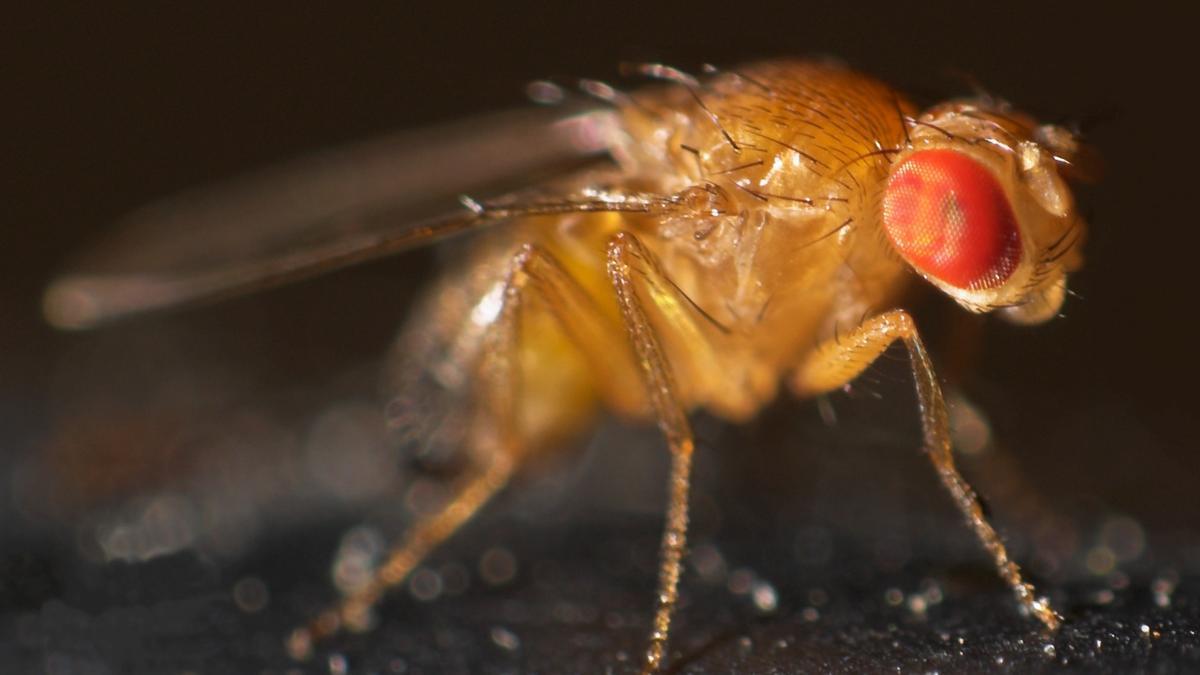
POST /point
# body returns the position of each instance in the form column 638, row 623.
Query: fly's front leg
column 836, row 362
column 672, row 420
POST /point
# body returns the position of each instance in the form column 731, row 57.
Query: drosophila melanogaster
column 715, row 241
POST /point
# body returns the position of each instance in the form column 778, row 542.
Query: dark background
column 107, row 109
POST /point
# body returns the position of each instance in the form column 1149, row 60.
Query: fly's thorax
column 793, row 151
column 795, row 129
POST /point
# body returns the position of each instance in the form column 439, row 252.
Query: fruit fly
column 702, row 243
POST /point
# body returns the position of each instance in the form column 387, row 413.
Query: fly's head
column 978, row 203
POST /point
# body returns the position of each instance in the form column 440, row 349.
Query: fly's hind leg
column 425, row 535
column 836, row 362
column 490, row 472
column 533, row 274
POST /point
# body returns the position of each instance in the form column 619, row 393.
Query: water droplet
column 893, row 597
column 497, row 566
column 250, row 594
column 917, row 604
column 505, row 639
column 709, row 563
column 1125, row 537
column 764, row 596
column 425, row 584
column 1163, row 587
column 357, row 554
column 1100, row 560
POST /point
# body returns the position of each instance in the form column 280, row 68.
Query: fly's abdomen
column 437, row 379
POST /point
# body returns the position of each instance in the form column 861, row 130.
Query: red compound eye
column 950, row 219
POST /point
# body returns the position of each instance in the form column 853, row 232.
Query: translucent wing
column 319, row 214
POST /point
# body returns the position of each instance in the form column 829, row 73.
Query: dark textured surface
column 851, row 560
column 212, row 414
column 580, row 602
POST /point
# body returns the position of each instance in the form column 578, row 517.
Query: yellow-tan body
column 794, row 251
column 749, row 230
column 748, row 236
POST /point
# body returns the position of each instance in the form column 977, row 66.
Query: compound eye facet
column 948, row 216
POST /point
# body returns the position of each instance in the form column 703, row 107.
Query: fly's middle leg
column 839, row 361
column 672, row 420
